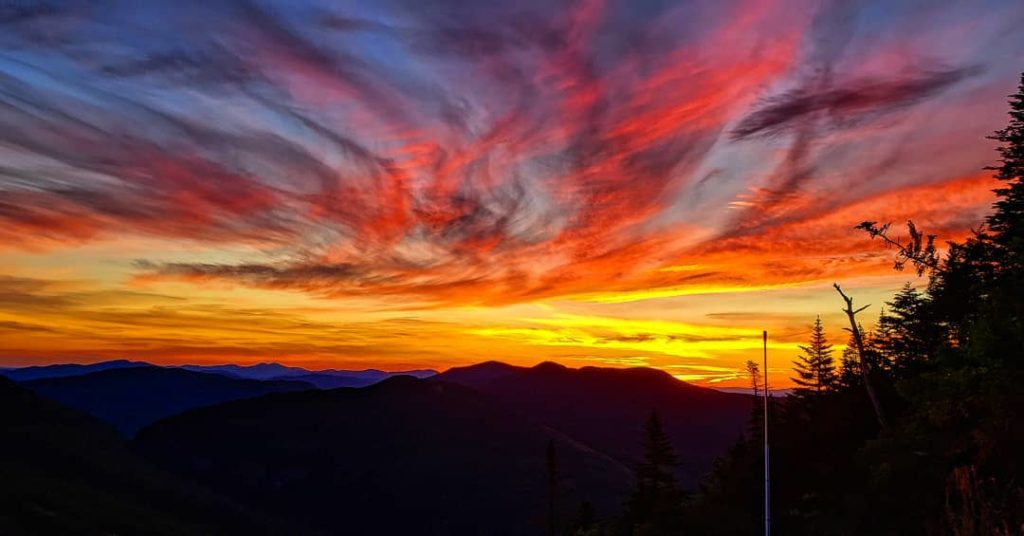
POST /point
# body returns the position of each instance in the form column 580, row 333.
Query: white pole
column 767, row 479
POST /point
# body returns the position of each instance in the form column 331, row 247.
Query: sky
column 403, row 184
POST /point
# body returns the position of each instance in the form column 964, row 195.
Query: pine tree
column 656, row 505
column 876, row 341
column 815, row 368
column 998, row 338
column 849, row 368
column 906, row 335
column 1007, row 221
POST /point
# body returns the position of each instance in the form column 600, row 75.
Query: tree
column 906, row 334
column 656, row 505
column 974, row 291
column 948, row 362
column 1007, row 221
column 919, row 250
column 1000, row 334
column 849, row 366
column 754, row 371
column 865, row 368
column 815, row 368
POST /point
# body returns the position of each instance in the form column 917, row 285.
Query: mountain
column 327, row 380
column 404, row 456
column 259, row 371
column 332, row 379
column 605, row 408
column 130, row 398
column 480, row 374
column 65, row 370
column 324, row 379
column 64, row 472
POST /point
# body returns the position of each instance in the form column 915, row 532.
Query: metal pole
column 767, row 478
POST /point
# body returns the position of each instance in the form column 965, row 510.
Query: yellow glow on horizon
column 697, row 333
column 687, row 290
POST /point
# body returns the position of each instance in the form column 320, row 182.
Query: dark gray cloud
column 257, row 274
column 843, row 103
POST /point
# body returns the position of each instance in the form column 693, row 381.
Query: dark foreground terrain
column 470, row 451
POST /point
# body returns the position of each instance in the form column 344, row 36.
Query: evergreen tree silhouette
column 849, row 369
column 906, row 335
column 999, row 337
column 656, row 505
column 815, row 367
column 948, row 361
column 1007, row 221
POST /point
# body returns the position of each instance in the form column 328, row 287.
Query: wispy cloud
column 478, row 154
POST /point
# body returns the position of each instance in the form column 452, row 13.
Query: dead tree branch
column 858, row 339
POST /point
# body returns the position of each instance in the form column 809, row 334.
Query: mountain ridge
column 132, row 397
column 605, row 408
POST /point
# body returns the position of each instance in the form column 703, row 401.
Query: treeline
column 943, row 451
column 917, row 427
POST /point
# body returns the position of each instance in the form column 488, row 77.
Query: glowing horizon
column 395, row 187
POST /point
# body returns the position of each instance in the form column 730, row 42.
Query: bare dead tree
column 858, row 340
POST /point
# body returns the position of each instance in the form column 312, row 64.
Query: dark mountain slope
column 405, row 456
column 605, row 408
column 480, row 374
column 39, row 372
column 130, row 398
column 64, row 472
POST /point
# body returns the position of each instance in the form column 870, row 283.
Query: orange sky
column 598, row 184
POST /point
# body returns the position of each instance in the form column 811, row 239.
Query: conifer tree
column 1007, row 221
column 876, row 341
column 656, row 505
column 906, row 334
column 815, row 367
column 998, row 339
column 849, row 369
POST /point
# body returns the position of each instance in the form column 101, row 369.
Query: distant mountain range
column 448, row 453
column 132, row 394
column 323, row 379
column 131, row 397
column 64, row 370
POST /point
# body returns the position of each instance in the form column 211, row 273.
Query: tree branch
column 858, row 339
column 919, row 250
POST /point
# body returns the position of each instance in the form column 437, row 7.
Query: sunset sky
column 402, row 184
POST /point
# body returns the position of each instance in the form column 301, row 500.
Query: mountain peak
column 481, row 372
column 550, row 366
